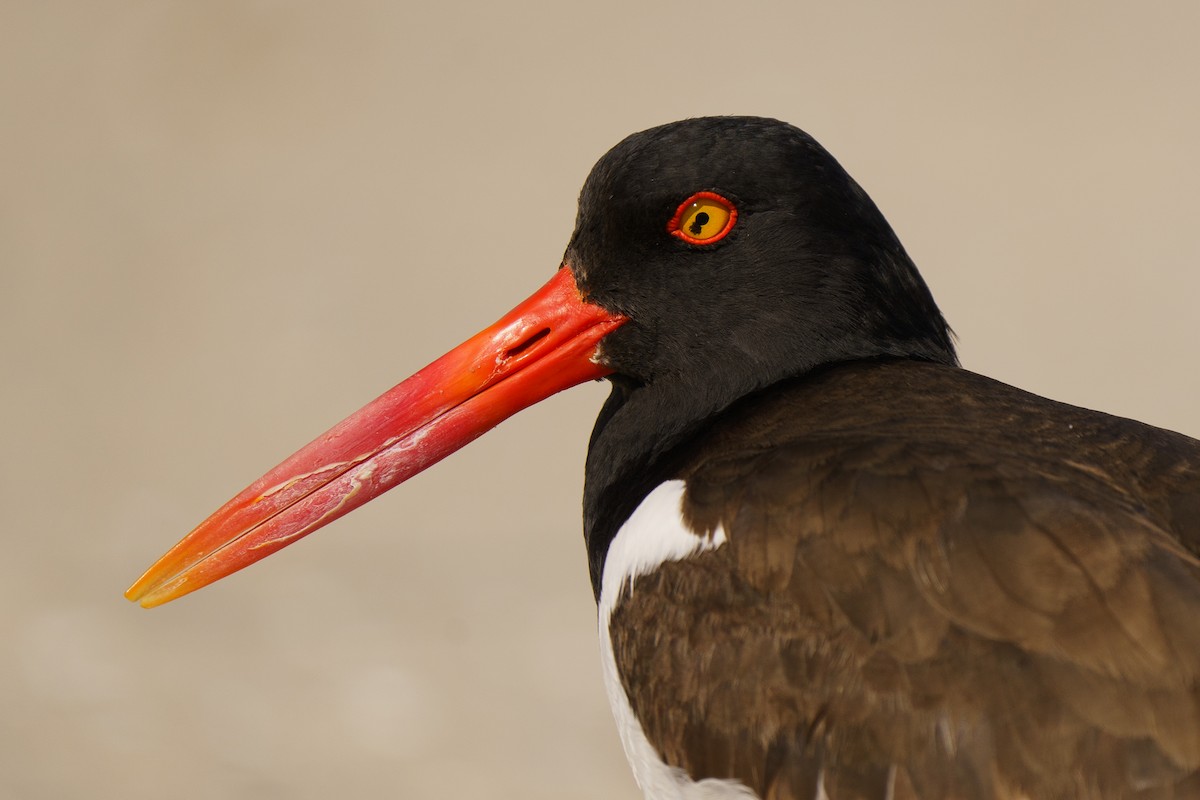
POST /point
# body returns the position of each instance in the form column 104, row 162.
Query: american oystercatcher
column 829, row 562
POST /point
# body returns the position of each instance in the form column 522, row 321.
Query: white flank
column 654, row 534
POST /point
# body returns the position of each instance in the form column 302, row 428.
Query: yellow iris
column 703, row 218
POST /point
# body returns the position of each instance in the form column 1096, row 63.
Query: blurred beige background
column 225, row 225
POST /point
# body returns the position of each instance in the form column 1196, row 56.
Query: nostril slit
column 528, row 343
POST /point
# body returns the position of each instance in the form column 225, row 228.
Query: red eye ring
column 697, row 204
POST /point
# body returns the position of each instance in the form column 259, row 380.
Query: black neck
column 638, row 432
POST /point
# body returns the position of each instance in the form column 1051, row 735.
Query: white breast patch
column 654, row 534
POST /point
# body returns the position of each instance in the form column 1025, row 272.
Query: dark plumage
column 994, row 592
column 934, row 585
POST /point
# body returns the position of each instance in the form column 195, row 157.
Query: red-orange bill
column 544, row 345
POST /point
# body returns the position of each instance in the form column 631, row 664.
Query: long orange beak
column 544, row 345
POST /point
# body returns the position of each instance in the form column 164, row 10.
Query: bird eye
column 703, row 218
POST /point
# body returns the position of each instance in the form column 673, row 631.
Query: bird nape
column 861, row 571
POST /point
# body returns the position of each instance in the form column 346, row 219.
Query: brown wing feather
column 962, row 592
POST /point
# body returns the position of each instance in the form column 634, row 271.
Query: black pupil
column 698, row 223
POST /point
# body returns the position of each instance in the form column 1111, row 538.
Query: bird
column 828, row 560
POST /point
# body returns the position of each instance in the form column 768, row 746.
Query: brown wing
column 908, row 608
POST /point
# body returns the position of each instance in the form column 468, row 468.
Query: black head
column 810, row 274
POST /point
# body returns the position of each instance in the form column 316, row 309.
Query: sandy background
column 225, row 225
